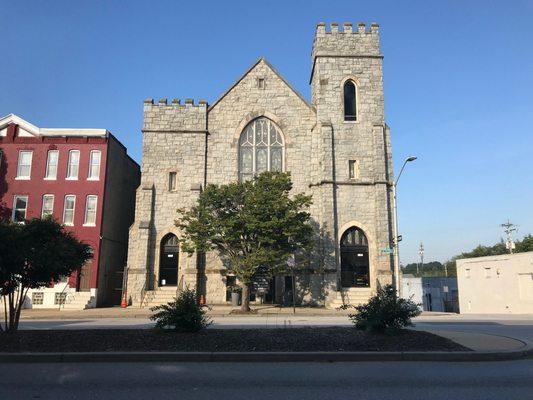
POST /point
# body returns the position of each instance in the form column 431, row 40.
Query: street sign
column 386, row 250
column 261, row 281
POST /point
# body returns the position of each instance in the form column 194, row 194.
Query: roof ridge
column 262, row 58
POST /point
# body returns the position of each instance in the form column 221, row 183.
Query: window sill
column 50, row 179
column 89, row 225
column 71, row 179
column 93, row 179
column 23, row 178
column 351, row 122
column 68, row 224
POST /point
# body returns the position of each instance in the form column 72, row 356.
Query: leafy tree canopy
column 429, row 269
column 254, row 226
column 437, row 269
column 33, row 255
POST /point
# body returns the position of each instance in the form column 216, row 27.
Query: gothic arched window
column 261, row 148
column 350, row 101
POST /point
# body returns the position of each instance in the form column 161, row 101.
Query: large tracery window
column 261, row 148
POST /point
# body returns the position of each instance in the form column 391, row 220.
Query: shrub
column 184, row 314
column 384, row 313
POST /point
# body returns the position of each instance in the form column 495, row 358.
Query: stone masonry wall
column 364, row 201
column 201, row 145
column 174, row 140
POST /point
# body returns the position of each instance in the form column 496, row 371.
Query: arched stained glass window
column 261, row 148
column 353, row 237
column 169, row 241
column 350, row 101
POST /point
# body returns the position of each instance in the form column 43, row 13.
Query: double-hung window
column 48, row 205
column 24, row 164
column 51, row 164
column 90, row 210
column 68, row 209
column 20, row 207
column 94, row 165
column 73, row 164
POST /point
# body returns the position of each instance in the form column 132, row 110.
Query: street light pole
column 395, row 226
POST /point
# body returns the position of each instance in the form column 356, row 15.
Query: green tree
column 433, row 268
column 526, row 244
column 33, row 255
column 254, row 226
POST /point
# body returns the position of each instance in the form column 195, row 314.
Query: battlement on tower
column 338, row 41
column 174, row 116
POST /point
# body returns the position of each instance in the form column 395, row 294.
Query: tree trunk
column 12, row 300
column 245, row 300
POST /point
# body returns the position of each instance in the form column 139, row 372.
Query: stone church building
column 336, row 147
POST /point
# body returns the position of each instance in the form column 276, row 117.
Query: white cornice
column 34, row 130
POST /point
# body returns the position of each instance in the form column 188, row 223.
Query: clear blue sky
column 458, row 87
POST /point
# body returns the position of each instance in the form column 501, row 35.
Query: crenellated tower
column 173, row 174
column 355, row 153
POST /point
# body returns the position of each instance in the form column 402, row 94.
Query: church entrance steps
column 159, row 296
column 353, row 296
column 79, row 301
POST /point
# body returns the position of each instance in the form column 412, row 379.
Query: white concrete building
column 431, row 293
column 496, row 284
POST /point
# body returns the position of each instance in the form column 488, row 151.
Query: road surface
column 365, row 381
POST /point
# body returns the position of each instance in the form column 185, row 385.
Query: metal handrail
column 143, row 294
column 179, row 287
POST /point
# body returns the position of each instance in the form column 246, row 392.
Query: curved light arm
column 408, row 159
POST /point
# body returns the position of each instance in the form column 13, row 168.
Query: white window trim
column 24, row 178
column 65, row 209
column 46, row 177
column 69, row 178
column 87, row 209
column 42, row 205
column 90, row 178
column 17, row 196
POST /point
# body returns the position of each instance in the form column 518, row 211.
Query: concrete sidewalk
column 215, row 310
column 482, row 342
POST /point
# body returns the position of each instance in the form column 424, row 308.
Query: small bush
column 384, row 313
column 184, row 314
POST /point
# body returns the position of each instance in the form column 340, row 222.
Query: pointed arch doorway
column 355, row 267
column 169, row 261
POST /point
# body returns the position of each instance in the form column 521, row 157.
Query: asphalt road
column 364, row 381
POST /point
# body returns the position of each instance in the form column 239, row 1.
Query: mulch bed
column 293, row 339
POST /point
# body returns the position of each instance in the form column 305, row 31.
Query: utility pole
column 509, row 228
column 421, row 254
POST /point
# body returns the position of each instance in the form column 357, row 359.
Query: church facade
column 336, row 147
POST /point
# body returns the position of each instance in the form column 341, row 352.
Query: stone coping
column 458, row 356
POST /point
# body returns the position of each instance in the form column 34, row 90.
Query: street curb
column 459, row 356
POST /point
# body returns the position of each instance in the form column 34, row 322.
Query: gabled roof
column 34, row 130
column 262, row 59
